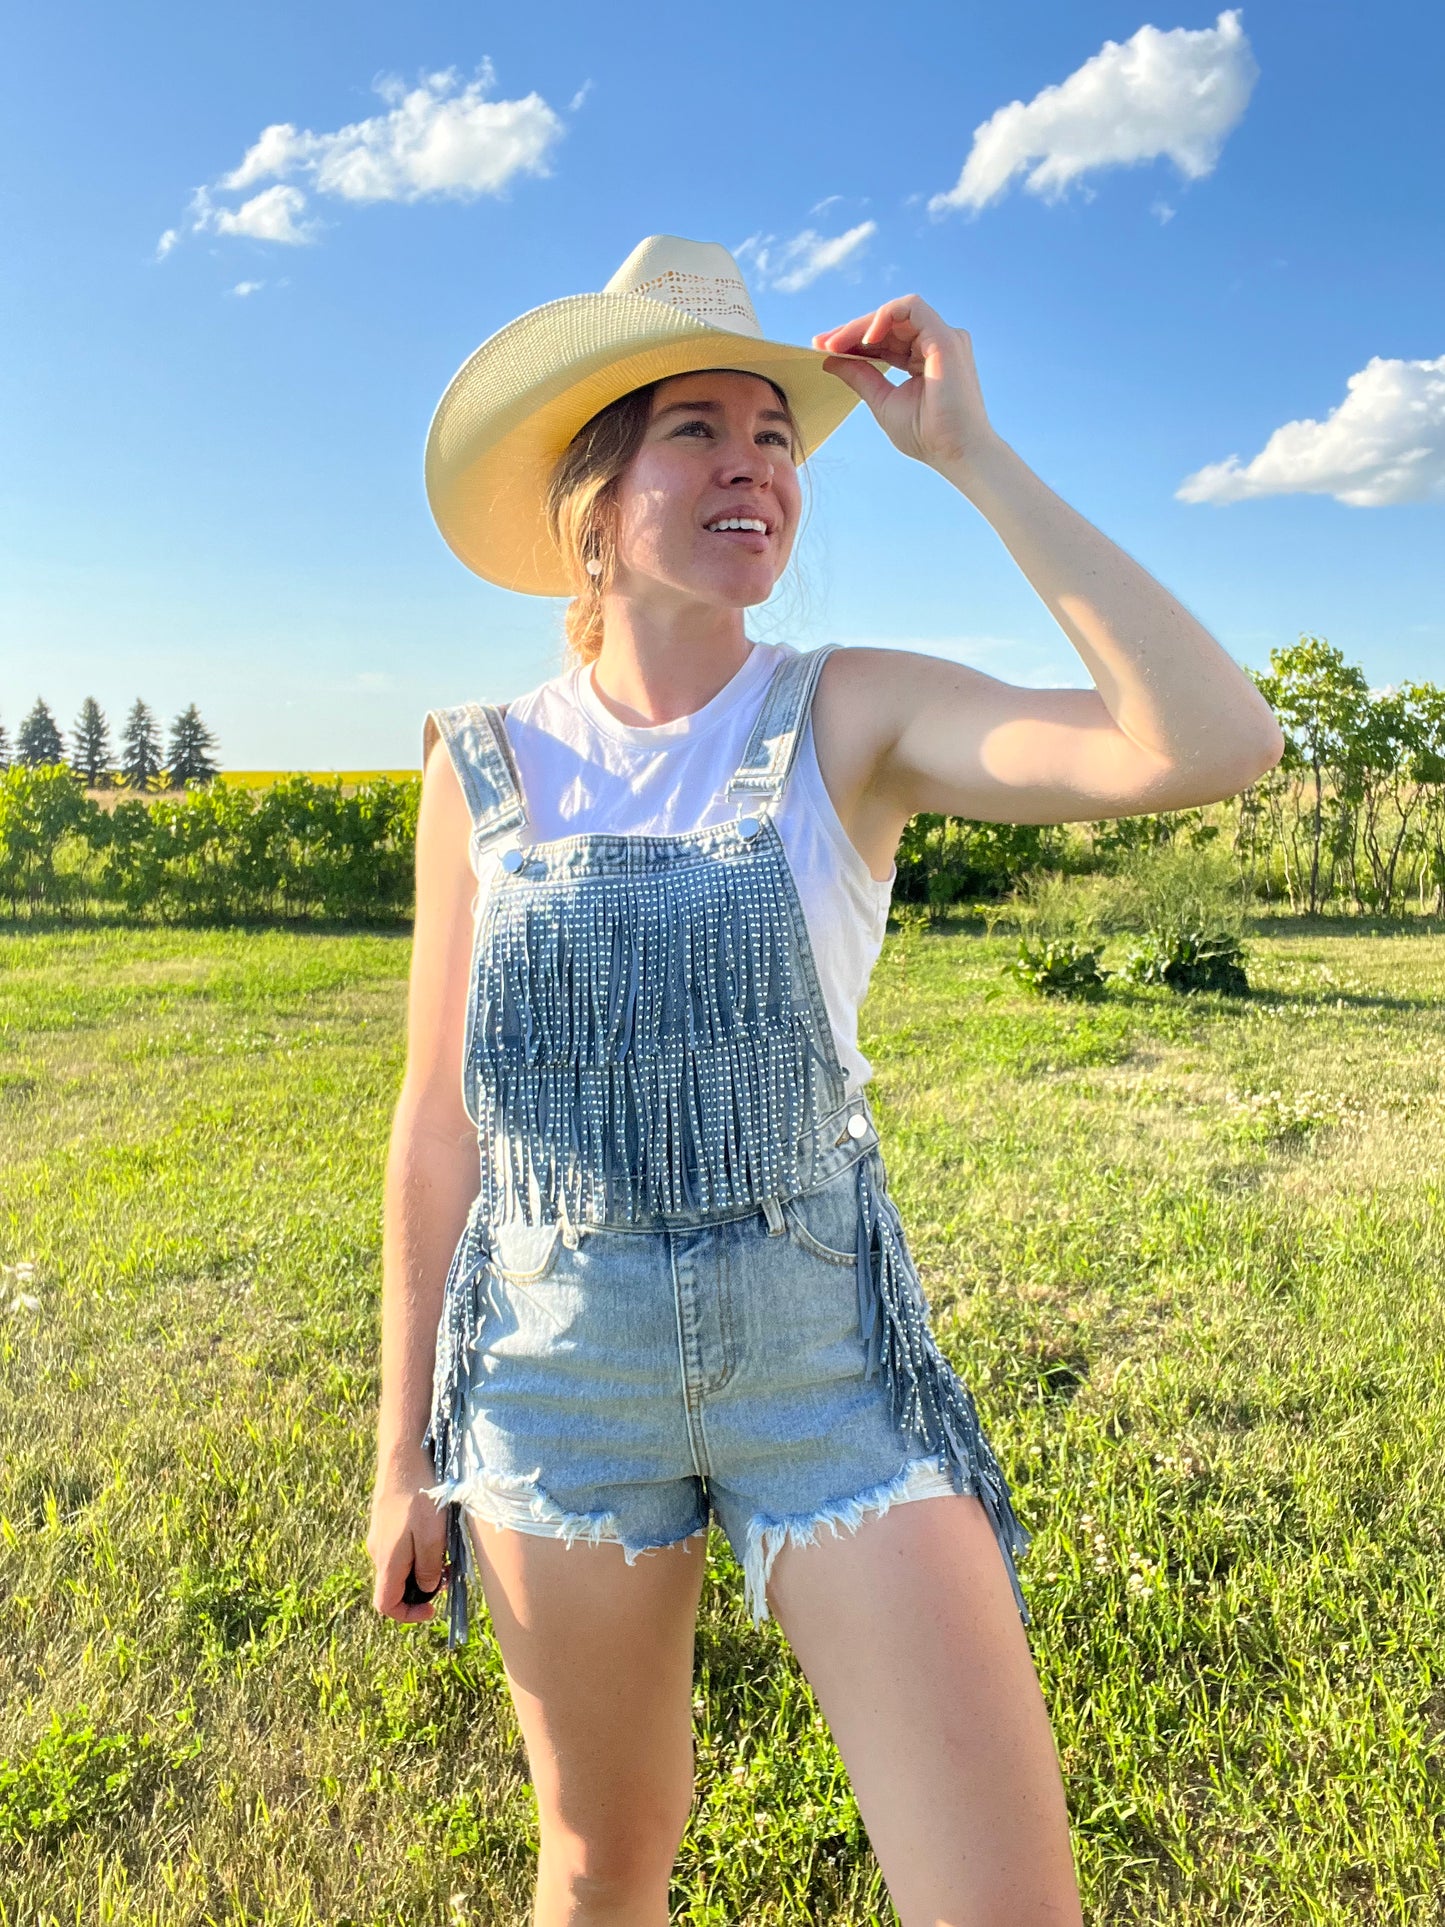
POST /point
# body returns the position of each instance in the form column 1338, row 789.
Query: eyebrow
column 714, row 408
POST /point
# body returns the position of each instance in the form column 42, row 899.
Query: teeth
column 740, row 522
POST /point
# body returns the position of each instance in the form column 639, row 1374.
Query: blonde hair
column 581, row 505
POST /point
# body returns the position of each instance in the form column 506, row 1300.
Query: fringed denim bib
column 647, row 1045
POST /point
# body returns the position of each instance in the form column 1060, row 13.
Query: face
column 717, row 447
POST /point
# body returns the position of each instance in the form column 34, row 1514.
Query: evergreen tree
column 140, row 743
column 90, row 746
column 5, row 758
column 39, row 738
column 191, row 747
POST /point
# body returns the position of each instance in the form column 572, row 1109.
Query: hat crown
column 700, row 277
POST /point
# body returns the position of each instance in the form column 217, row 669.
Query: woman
column 648, row 899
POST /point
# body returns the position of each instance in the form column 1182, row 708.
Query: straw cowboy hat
column 673, row 307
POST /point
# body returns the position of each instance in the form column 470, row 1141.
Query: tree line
column 1353, row 816
column 142, row 765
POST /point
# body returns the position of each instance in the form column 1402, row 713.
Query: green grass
column 1188, row 1252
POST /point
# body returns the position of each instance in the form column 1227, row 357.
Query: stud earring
column 594, row 567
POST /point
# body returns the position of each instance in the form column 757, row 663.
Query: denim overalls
column 683, row 1291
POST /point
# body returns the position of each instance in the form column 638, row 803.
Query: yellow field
column 260, row 779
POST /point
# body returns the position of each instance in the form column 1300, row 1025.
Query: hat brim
column 515, row 404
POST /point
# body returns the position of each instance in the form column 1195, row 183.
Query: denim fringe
column 465, row 1299
column 926, row 1397
column 642, row 1052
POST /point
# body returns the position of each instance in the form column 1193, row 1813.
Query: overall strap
column 768, row 758
column 481, row 755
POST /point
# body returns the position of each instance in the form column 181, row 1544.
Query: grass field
column 1189, row 1253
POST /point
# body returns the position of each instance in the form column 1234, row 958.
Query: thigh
column 908, row 1633
column 599, row 1659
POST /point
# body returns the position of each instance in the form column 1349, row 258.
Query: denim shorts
column 631, row 1384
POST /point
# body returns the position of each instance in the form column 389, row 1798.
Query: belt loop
column 773, row 1212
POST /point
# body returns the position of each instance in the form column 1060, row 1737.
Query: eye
column 696, row 422
column 777, row 435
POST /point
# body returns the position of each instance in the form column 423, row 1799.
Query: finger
column 428, row 1567
column 846, row 338
column 391, row 1580
column 862, row 377
column 908, row 315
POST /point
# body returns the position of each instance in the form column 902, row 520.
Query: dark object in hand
column 412, row 1594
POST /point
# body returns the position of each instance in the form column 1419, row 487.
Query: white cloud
column 276, row 152
column 797, row 263
column 441, row 139
column 1385, row 443
column 243, row 288
column 167, row 242
column 1162, row 212
column 272, row 215
column 581, row 94
column 1180, row 93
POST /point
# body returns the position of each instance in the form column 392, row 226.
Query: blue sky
column 210, row 447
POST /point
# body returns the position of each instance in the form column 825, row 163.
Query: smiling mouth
column 749, row 531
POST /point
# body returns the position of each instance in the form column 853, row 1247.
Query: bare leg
column 598, row 1656
column 909, row 1635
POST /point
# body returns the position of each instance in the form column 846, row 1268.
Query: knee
column 629, row 1858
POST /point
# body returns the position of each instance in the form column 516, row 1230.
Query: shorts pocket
column 825, row 1222
column 523, row 1253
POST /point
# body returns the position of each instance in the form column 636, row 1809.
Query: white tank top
column 584, row 771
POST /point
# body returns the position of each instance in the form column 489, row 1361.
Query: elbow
column 1264, row 754
column 1216, row 779
column 1250, row 755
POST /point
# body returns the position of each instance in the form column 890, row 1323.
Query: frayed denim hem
column 919, row 1479
column 518, row 1502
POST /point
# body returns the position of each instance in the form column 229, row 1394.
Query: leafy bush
column 1187, row 960
column 951, row 859
column 219, row 854
column 40, row 807
column 1057, row 967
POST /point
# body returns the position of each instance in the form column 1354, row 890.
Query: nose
column 753, row 469
column 744, row 465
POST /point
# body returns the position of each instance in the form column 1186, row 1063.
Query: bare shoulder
column 868, row 697
column 859, row 709
column 443, row 827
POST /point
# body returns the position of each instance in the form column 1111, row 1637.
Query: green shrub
column 953, row 859
column 1057, row 967
column 41, row 807
column 1187, row 960
column 300, row 849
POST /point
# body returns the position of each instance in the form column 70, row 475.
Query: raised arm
column 432, row 1177
column 1172, row 719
